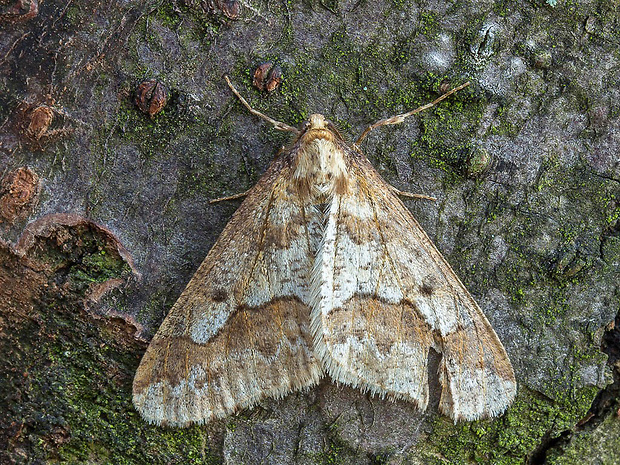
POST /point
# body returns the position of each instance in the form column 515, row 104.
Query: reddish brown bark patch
column 19, row 191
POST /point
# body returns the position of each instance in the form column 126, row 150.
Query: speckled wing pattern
column 240, row 331
column 387, row 297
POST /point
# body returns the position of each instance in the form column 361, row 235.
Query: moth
column 321, row 270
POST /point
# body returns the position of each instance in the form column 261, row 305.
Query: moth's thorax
column 320, row 167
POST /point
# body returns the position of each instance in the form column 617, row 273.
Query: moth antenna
column 400, row 118
column 276, row 124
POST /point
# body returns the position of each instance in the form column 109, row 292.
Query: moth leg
column 400, row 118
column 230, row 197
column 276, row 124
column 412, row 195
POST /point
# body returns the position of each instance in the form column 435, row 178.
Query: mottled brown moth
column 322, row 269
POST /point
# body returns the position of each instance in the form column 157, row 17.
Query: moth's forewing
column 387, row 296
column 239, row 332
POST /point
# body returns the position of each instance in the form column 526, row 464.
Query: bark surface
column 104, row 212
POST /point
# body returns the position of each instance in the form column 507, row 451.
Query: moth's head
column 317, row 127
column 319, row 159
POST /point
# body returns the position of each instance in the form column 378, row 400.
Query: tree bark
column 105, row 214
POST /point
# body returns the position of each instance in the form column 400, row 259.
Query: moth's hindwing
column 240, row 331
column 387, row 297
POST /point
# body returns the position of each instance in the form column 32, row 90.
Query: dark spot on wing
column 426, row 289
column 219, row 295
